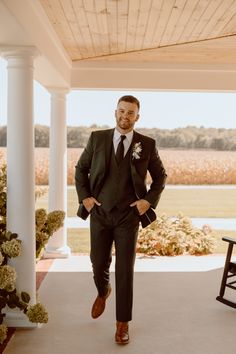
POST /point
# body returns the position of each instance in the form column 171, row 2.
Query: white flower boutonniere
column 137, row 149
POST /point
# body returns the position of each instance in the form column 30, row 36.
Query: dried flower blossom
column 37, row 314
column 40, row 218
column 3, row 178
column 41, row 237
column 12, row 248
column 46, row 225
column 1, row 258
column 7, row 277
column 10, row 287
column 3, row 333
column 55, row 221
column 41, row 240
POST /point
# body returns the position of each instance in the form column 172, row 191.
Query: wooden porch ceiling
column 96, row 28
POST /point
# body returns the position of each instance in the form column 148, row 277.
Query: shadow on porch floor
column 174, row 313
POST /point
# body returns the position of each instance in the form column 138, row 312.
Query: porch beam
column 153, row 76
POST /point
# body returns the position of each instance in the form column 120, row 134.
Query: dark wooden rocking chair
column 229, row 273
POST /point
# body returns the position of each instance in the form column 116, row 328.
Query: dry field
column 183, row 166
column 200, row 166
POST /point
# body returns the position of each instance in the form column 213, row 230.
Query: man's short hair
column 130, row 99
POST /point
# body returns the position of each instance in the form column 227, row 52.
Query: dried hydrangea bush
column 10, row 247
column 175, row 236
column 45, row 226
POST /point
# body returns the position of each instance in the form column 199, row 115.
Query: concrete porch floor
column 175, row 311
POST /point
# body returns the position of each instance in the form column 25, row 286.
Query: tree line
column 190, row 137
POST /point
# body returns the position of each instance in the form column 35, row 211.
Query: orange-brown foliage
column 199, row 166
column 182, row 166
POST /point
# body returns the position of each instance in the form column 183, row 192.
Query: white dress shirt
column 126, row 142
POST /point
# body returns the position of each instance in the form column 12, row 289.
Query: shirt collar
column 129, row 136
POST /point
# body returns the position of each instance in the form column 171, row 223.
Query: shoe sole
column 122, row 343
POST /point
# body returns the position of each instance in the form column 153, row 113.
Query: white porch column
column 20, row 171
column 57, row 245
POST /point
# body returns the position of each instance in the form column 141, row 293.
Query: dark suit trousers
column 122, row 228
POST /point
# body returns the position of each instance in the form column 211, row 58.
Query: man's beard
column 125, row 124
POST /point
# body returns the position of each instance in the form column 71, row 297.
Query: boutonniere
column 137, row 149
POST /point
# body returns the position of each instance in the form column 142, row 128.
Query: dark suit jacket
column 93, row 165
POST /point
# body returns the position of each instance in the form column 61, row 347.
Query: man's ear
column 137, row 118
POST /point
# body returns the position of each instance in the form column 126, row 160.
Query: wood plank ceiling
column 96, row 28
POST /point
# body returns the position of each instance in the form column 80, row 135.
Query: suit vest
column 117, row 190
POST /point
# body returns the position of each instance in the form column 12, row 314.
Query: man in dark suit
column 110, row 182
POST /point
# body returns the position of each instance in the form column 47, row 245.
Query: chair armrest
column 229, row 239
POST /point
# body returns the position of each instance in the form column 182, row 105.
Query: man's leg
column 101, row 240
column 125, row 236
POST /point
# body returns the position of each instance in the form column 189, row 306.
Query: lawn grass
column 205, row 203
column 79, row 240
column 218, row 203
column 222, row 245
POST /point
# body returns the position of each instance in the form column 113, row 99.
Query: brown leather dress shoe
column 100, row 304
column 122, row 333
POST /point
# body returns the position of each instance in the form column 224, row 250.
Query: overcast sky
column 158, row 109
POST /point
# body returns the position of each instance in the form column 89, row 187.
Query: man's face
column 126, row 115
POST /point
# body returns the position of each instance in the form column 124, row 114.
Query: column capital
column 58, row 91
column 8, row 52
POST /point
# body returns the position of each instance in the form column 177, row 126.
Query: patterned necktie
column 120, row 150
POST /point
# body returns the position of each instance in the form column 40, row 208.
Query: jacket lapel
column 108, row 141
column 137, row 181
column 104, row 148
column 136, row 139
